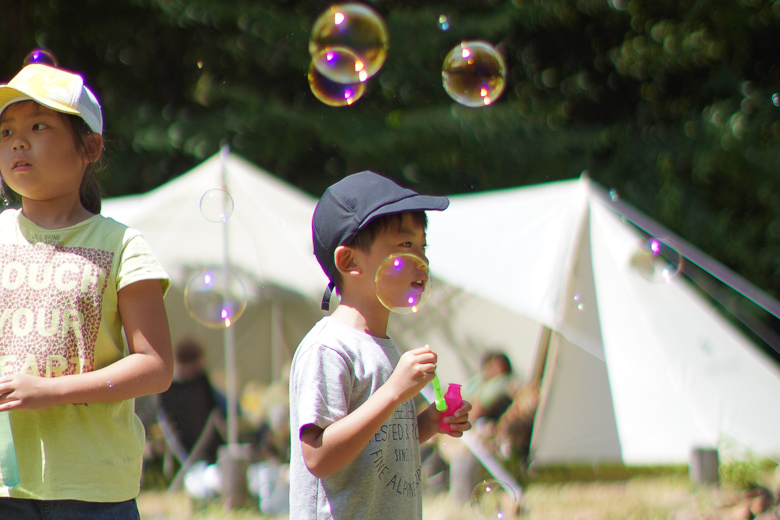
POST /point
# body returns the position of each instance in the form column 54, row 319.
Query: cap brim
column 10, row 95
column 413, row 203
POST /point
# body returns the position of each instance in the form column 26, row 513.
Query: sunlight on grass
column 646, row 498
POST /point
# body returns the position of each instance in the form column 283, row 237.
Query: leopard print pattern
column 51, row 299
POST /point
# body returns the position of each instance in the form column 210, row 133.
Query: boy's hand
column 429, row 422
column 413, row 371
column 459, row 421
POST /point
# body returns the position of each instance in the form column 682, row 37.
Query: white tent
column 269, row 246
column 642, row 373
column 638, row 371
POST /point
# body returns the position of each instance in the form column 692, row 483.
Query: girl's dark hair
column 89, row 192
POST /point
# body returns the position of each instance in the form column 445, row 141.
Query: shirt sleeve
column 138, row 262
column 322, row 380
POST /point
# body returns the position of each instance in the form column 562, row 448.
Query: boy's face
column 407, row 238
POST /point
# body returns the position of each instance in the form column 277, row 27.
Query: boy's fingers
column 464, row 409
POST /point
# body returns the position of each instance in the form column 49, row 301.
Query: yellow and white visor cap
column 57, row 89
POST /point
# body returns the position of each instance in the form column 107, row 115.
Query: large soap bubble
column 41, row 56
column 495, row 499
column 215, row 297
column 658, row 260
column 216, row 205
column 332, row 93
column 402, row 283
column 348, row 43
column 474, row 74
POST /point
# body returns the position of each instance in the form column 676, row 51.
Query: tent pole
column 541, row 356
column 548, row 368
column 276, row 346
column 233, row 458
column 690, row 252
column 227, row 335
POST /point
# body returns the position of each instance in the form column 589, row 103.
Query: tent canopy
column 269, row 229
column 638, row 371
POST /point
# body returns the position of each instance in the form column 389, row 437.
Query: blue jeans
column 25, row 509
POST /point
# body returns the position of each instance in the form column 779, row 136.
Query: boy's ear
column 346, row 262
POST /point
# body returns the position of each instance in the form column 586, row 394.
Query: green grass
column 603, row 492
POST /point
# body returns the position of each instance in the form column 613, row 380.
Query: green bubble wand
column 441, row 404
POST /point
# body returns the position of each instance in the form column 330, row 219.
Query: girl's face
column 39, row 159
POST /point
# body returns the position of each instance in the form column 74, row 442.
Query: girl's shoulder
column 7, row 214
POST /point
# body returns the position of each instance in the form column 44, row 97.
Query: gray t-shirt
column 334, row 371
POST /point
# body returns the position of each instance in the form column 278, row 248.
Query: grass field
column 646, row 497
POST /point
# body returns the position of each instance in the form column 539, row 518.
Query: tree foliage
column 670, row 102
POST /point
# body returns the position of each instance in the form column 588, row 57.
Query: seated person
column 188, row 403
column 491, row 391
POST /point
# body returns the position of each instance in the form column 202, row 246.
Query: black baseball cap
column 349, row 205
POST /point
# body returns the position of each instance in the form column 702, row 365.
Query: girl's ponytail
column 89, row 193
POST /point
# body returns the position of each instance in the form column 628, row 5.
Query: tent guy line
column 691, row 252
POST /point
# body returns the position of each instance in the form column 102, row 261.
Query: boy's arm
column 429, row 419
column 325, row 451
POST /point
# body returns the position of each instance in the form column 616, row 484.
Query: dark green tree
column 673, row 103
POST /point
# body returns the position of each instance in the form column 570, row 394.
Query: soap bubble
column 402, row 283
column 494, row 499
column 216, row 205
column 331, row 93
column 348, row 43
column 444, row 22
column 776, row 99
column 613, row 195
column 658, row 260
column 41, row 56
column 340, row 64
column 215, row 297
column 474, row 74
column 579, row 303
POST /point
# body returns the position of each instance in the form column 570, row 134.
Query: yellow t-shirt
column 59, row 316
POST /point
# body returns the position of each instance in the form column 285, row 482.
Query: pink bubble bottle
column 454, row 402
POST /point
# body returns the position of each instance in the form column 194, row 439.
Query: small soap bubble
column 578, row 302
column 332, row 93
column 402, row 283
column 216, row 205
column 658, row 260
column 613, row 195
column 348, row 43
column 41, row 56
column 110, row 384
column 444, row 22
column 776, row 99
column 474, row 74
column 495, row 499
column 215, row 297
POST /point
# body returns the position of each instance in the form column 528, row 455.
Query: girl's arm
column 148, row 369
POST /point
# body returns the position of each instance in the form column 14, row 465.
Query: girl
column 71, row 282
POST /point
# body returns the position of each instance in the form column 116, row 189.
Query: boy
column 356, row 434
